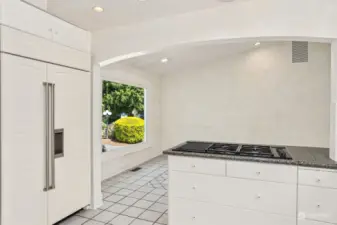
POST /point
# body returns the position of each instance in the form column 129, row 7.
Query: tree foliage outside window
column 121, row 98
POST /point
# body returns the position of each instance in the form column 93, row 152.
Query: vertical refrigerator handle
column 52, row 136
column 47, row 135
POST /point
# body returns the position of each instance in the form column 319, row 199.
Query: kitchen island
column 217, row 189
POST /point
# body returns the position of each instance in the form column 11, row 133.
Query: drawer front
column 316, row 203
column 186, row 212
column 262, row 171
column 319, row 178
column 311, row 222
column 249, row 194
column 198, row 165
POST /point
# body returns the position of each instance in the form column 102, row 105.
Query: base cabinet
column 186, row 212
column 311, row 222
column 249, row 194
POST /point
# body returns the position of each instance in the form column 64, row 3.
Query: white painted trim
column 96, row 156
column 333, row 102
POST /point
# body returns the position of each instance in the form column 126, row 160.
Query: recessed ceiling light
column 257, row 43
column 164, row 60
column 98, row 9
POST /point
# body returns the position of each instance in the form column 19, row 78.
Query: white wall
column 119, row 160
column 253, row 97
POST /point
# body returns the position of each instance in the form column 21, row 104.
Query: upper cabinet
column 25, row 17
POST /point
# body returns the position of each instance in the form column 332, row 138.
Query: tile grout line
column 128, row 206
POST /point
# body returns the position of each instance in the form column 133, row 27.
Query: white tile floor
column 131, row 198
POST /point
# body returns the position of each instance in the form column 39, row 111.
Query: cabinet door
column 72, row 170
column 23, row 141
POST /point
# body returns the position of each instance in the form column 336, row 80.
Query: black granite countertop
column 301, row 156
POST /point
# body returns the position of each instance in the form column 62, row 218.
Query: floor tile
column 159, row 191
column 141, row 182
column 143, row 204
column 88, row 213
column 105, row 216
column 141, row 222
column 121, row 185
column 121, row 220
column 93, row 222
column 133, row 212
column 114, row 198
column 163, row 219
column 163, row 200
column 133, row 187
column 106, row 194
column 106, row 204
column 128, row 201
column 137, row 194
column 124, row 192
column 151, row 197
column 117, row 208
column 158, row 207
column 150, row 215
column 74, row 220
column 112, row 189
column 146, row 189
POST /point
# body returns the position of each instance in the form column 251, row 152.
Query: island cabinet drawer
column 197, row 165
column 262, row 171
column 186, row 212
column 319, row 178
column 318, row 204
column 311, row 222
column 264, row 196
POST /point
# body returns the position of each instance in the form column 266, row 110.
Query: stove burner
column 223, row 148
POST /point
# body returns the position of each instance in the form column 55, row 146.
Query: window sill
column 123, row 151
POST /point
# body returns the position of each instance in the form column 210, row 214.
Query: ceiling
column 185, row 57
column 123, row 12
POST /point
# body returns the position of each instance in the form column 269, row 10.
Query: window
column 123, row 115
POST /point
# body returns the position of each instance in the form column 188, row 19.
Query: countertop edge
column 252, row 159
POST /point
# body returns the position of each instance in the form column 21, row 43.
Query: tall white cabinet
column 45, row 99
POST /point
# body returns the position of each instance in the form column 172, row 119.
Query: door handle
column 46, row 133
column 52, row 136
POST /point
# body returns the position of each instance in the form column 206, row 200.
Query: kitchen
column 241, row 85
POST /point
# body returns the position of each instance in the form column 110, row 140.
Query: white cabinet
column 22, row 142
column 186, row 212
column 198, row 165
column 319, row 178
column 262, row 171
column 24, row 44
column 35, row 21
column 72, row 115
column 311, row 222
column 249, row 194
column 25, row 154
column 317, row 203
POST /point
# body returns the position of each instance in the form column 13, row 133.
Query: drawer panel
column 197, row 165
column 250, row 194
column 317, row 203
column 319, row 178
column 186, row 212
column 262, row 171
column 311, row 222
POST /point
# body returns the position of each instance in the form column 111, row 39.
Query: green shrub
column 129, row 130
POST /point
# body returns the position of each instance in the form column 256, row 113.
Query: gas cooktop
column 262, row 151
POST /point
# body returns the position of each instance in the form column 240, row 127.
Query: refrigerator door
column 72, row 169
column 23, row 141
